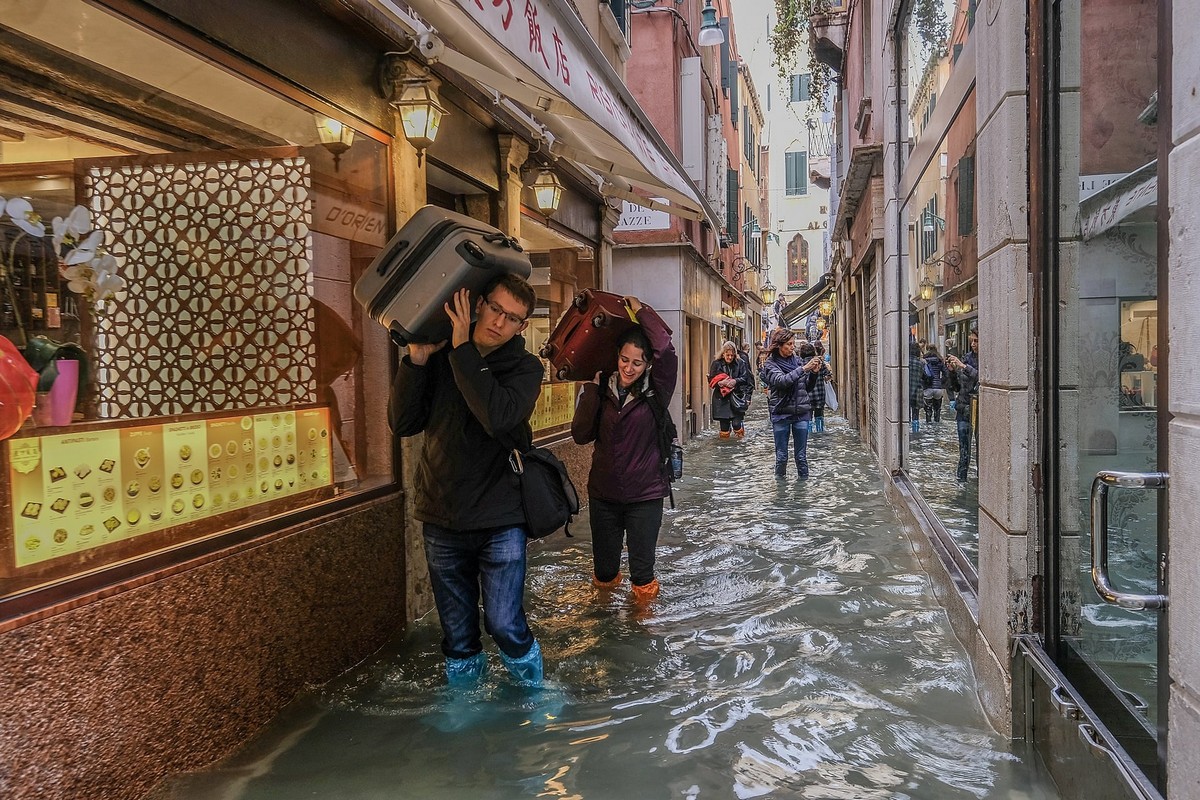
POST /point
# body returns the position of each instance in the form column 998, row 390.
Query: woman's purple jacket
column 627, row 466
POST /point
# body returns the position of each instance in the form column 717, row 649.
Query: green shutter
column 731, row 205
column 966, row 195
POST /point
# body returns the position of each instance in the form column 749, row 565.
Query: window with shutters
column 795, row 165
column 966, row 195
column 800, row 88
column 731, row 222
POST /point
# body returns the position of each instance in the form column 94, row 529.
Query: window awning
column 1132, row 199
column 542, row 59
column 795, row 312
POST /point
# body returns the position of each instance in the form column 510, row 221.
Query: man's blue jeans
column 798, row 432
column 964, row 448
column 461, row 564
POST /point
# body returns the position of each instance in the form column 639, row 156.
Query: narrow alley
column 797, row 650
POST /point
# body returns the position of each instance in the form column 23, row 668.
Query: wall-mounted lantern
column 547, row 192
column 335, row 136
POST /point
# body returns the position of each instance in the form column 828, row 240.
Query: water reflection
column 933, row 458
column 796, row 651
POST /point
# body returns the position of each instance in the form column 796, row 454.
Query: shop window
column 1137, row 355
column 222, row 372
column 559, row 273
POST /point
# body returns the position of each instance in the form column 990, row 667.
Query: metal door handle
column 1126, row 480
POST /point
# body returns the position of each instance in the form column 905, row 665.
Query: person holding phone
column 790, row 375
column 963, row 380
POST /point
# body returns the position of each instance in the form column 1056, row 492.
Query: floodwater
column 796, row 651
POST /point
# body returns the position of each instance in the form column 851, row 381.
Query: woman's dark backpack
column 668, row 442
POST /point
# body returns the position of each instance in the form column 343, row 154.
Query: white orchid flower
column 80, row 279
column 103, row 265
column 24, row 217
column 86, row 250
column 71, row 229
column 108, row 287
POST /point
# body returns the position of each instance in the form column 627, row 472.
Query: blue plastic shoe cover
column 526, row 670
column 466, row 671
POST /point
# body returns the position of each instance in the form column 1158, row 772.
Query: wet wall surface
column 796, row 651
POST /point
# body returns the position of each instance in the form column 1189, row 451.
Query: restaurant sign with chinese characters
column 75, row 491
column 536, row 33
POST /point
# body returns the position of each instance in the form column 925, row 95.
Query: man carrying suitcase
column 473, row 400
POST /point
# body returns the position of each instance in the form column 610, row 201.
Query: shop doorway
column 1108, row 533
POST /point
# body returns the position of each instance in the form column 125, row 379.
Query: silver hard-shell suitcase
column 436, row 253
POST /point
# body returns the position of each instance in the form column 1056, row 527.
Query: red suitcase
column 584, row 341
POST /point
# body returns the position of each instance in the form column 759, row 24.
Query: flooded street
column 796, row 651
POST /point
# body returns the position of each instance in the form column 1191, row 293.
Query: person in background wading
column 464, row 397
column 915, row 386
column 818, row 395
column 933, row 381
column 963, row 380
column 628, row 482
column 729, row 376
column 790, row 377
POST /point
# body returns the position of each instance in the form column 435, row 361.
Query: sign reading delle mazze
column 637, row 218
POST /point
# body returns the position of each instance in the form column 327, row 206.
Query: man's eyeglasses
column 511, row 319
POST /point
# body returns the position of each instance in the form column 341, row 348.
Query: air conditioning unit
column 723, row 240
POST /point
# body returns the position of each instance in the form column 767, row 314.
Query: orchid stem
column 5, row 273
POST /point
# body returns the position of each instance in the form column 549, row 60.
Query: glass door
column 1109, row 392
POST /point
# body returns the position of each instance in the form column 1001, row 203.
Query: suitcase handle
column 503, row 241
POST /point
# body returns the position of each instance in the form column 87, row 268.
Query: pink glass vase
column 64, row 391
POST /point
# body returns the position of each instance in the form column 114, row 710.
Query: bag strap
column 667, row 433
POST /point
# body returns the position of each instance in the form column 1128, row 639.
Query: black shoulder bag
column 548, row 496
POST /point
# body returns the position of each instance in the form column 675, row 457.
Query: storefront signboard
column 73, row 492
column 638, row 218
column 538, row 34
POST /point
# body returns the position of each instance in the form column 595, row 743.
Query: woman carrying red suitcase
column 627, row 482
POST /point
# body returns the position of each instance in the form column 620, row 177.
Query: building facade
column 798, row 131
column 700, row 275
column 993, row 180
column 218, row 516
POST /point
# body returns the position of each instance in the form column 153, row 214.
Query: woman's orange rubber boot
column 644, row 594
column 614, row 583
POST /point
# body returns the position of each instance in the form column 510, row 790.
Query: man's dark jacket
column 463, row 401
column 964, row 383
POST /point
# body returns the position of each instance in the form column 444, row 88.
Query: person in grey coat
column 790, row 378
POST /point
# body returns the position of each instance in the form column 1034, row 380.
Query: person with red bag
column 628, row 480
column 732, row 387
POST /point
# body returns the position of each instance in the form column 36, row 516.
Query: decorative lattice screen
column 218, row 312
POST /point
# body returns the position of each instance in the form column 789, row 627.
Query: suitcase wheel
column 580, row 301
column 599, row 321
column 562, row 373
column 547, row 350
